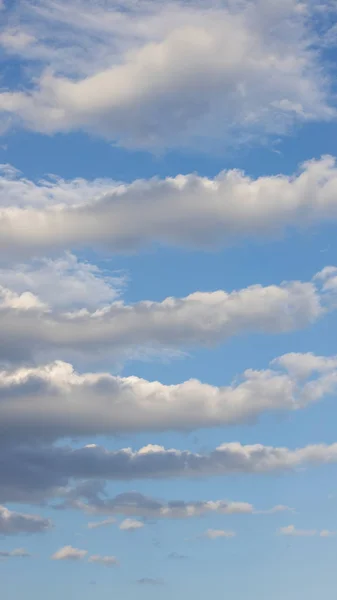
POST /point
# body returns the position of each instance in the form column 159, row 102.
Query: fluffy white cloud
column 12, row 522
column 214, row 534
column 31, row 330
column 186, row 210
column 69, row 553
column 291, row 530
column 170, row 73
column 54, row 401
column 64, row 283
column 131, row 525
column 107, row 561
column 17, row 553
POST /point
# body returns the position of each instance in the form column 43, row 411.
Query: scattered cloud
column 214, row 534
column 177, row 556
column 106, row 561
column 96, row 524
column 69, row 553
column 131, row 525
column 150, row 581
column 17, row 553
column 12, row 523
column 291, row 530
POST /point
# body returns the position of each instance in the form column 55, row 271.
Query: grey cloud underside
column 30, row 331
column 53, row 402
column 187, row 210
column 27, row 471
column 14, row 523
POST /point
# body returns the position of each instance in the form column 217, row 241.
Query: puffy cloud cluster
column 165, row 74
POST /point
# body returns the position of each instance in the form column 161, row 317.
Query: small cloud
column 213, row 534
column 17, row 553
column 176, row 556
column 131, row 525
column 107, row 561
column 291, row 530
column 150, row 581
column 69, row 553
column 105, row 523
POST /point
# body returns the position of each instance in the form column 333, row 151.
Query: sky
column 168, row 298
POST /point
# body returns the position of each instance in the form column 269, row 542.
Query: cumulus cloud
column 291, row 530
column 186, row 210
column 166, row 74
column 63, row 283
column 17, row 553
column 54, row 401
column 131, row 525
column 106, row 561
column 30, row 329
column 51, row 468
column 12, row 522
column 69, row 553
column 136, row 504
column 214, row 534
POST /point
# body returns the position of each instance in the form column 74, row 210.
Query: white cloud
column 17, row 553
column 96, row 524
column 131, row 525
column 186, row 210
column 12, row 523
column 107, row 561
column 69, row 553
column 54, row 401
column 213, row 534
column 166, row 74
column 32, row 331
column 291, row 530
column 62, row 283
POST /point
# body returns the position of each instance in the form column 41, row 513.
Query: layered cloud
column 214, row 534
column 52, row 402
column 32, row 326
column 136, row 504
column 186, row 210
column 165, row 74
column 12, row 523
column 29, row 473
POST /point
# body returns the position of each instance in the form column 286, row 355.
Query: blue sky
column 168, row 281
